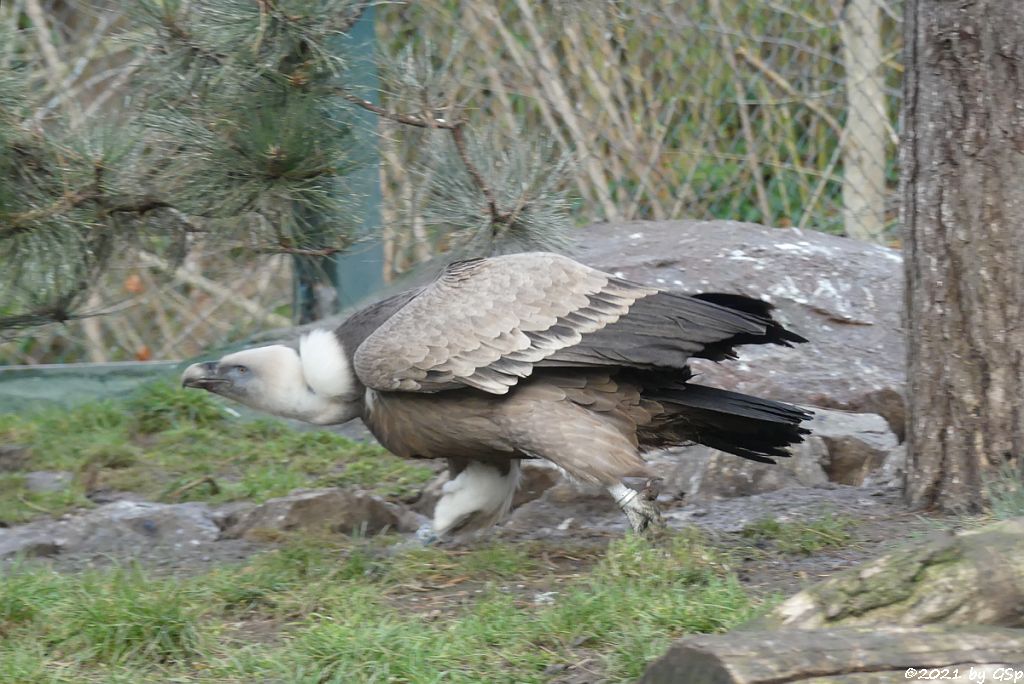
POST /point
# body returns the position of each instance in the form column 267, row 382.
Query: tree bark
column 850, row 655
column 962, row 161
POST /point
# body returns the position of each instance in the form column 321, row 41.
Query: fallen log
column 970, row 578
column 844, row 655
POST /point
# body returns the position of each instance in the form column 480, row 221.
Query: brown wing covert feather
column 484, row 323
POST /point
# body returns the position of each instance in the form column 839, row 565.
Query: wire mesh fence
column 781, row 112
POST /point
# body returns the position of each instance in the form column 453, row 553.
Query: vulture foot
column 640, row 507
column 425, row 535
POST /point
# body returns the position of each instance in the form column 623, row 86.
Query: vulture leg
column 641, row 511
column 477, row 495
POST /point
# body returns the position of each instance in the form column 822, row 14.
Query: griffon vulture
column 524, row 356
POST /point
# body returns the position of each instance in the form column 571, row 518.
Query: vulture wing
column 486, row 323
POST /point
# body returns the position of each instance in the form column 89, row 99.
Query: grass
column 320, row 608
column 329, row 608
column 342, row 611
column 801, row 537
column 1005, row 490
column 162, row 442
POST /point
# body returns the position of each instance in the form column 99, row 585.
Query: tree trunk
column 850, row 655
column 962, row 160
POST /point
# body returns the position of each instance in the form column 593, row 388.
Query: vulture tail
column 747, row 426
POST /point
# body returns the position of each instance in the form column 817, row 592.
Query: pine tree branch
column 459, row 138
column 302, row 251
column 22, row 222
column 140, row 206
column 178, row 33
column 397, row 117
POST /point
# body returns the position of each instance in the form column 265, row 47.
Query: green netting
column 27, row 388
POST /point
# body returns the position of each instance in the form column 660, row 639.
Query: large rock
column 117, row 527
column 844, row 296
column 844, row 448
column 333, row 510
column 700, row 473
column 851, row 655
column 970, row 577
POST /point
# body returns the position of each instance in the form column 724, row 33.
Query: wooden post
column 866, row 122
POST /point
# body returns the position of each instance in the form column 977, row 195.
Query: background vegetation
column 717, row 109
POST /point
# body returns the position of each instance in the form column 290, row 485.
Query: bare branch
column 407, row 119
column 302, row 251
column 22, row 222
column 215, row 289
column 458, row 137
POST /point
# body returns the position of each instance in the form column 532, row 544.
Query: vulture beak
column 202, row 376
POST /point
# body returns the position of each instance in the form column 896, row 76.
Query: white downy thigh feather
column 481, row 491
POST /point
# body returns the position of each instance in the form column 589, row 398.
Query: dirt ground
column 877, row 521
column 565, row 535
column 570, row 533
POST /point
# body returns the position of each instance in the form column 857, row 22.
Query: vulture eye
column 241, row 370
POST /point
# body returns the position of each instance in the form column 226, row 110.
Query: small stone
column 857, row 444
column 43, row 481
column 13, row 457
column 334, row 510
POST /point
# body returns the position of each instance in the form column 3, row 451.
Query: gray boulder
column 332, row 510
column 119, row 527
column 844, row 296
column 844, row 448
column 699, row 473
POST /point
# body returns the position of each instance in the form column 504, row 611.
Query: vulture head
column 314, row 384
